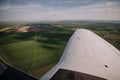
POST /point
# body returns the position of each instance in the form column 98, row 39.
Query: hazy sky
column 27, row 10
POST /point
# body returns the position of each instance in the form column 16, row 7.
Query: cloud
column 107, row 10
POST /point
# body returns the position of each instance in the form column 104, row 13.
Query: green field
column 28, row 51
column 36, row 53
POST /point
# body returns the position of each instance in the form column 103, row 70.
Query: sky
column 52, row 10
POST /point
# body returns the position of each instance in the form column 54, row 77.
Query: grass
column 25, row 52
column 36, row 53
column 31, row 54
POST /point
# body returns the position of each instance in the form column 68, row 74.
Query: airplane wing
column 86, row 57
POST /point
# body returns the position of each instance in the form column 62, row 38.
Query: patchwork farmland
column 36, row 47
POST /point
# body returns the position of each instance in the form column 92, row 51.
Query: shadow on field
column 16, row 37
column 54, row 37
column 50, row 37
column 25, row 36
column 45, row 37
column 48, row 47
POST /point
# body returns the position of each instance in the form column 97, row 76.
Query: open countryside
column 35, row 48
